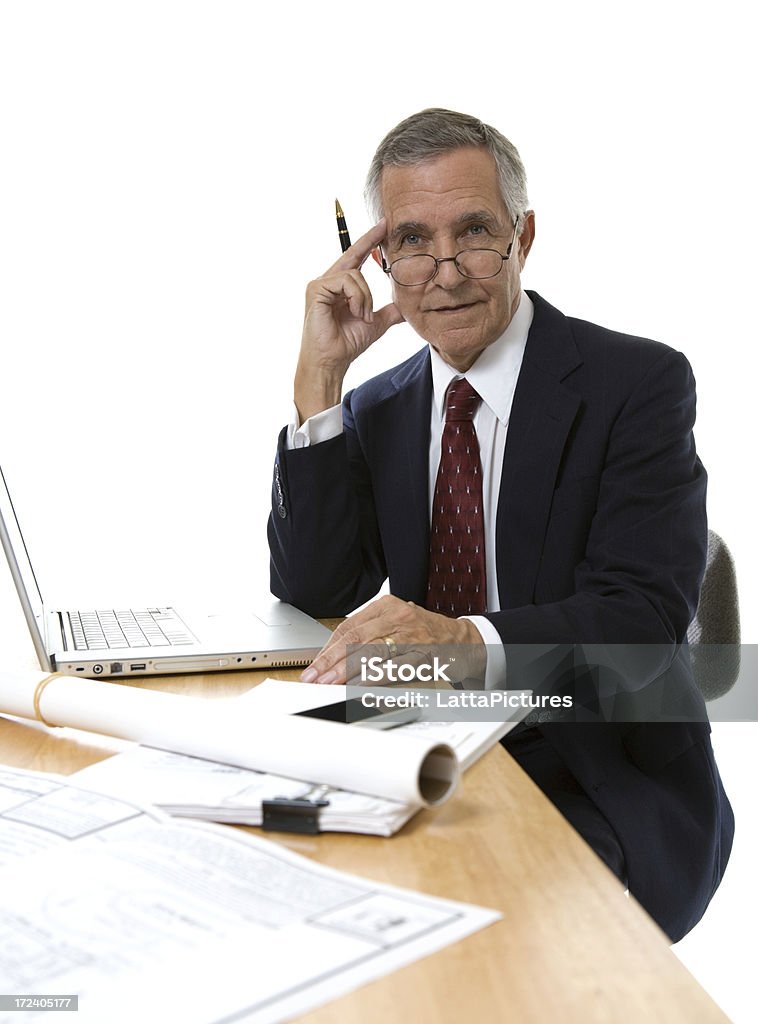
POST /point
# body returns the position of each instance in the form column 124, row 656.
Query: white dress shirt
column 493, row 376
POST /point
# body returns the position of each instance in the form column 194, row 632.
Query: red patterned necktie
column 457, row 572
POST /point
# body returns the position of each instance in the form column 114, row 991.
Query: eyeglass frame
column 387, row 267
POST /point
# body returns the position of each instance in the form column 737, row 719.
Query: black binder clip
column 283, row 815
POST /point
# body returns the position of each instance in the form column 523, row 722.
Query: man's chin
column 458, row 350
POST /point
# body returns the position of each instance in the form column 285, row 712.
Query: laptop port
column 116, row 666
column 138, row 668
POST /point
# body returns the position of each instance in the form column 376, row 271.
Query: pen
column 342, row 226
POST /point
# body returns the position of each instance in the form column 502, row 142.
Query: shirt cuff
column 494, row 677
column 322, row 427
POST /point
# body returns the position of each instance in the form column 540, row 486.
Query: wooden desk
column 570, row 947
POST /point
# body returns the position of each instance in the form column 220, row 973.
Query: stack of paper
column 196, row 788
column 193, row 788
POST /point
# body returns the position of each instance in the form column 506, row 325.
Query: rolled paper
column 382, row 763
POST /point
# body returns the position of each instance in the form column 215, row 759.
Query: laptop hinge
column 64, row 626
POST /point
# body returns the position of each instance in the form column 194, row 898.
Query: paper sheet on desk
column 152, row 920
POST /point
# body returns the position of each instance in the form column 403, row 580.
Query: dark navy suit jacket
column 600, row 539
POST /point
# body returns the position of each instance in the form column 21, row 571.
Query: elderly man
column 525, row 479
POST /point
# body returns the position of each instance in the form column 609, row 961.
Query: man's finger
column 388, row 316
column 351, row 287
column 359, row 630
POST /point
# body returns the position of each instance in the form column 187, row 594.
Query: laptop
column 154, row 639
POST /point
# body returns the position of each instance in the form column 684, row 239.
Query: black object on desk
column 283, row 815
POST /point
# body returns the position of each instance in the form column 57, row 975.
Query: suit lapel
column 543, row 412
column 403, row 425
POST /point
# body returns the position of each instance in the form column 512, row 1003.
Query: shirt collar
column 495, row 372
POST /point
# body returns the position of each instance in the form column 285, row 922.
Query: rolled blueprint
column 382, row 763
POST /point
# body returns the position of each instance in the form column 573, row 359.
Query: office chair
column 714, row 633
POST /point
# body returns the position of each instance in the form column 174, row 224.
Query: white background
column 167, row 187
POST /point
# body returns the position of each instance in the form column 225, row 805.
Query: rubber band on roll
column 39, row 689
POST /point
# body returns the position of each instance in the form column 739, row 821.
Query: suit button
column 282, row 512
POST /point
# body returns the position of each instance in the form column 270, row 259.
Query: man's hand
column 407, row 625
column 340, row 324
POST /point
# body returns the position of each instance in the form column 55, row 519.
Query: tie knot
column 462, row 401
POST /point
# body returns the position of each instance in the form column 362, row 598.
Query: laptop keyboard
column 148, row 627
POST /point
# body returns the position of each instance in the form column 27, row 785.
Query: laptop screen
column 22, row 571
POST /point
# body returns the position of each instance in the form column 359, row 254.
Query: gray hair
column 435, row 131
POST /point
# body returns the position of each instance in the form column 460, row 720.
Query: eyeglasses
column 478, row 264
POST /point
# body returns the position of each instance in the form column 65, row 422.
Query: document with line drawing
column 146, row 918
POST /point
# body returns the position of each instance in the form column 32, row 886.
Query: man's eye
column 477, row 229
column 410, row 240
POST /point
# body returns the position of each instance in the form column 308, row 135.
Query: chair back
column 714, row 633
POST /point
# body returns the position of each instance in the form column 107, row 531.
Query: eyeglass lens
column 475, row 263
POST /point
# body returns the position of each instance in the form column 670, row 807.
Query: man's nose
column 448, row 275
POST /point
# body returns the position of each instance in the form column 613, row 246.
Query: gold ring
column 391, row 646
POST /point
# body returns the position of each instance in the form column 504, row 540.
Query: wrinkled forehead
column 442, row 189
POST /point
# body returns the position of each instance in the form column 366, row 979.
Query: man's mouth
column 458, row 308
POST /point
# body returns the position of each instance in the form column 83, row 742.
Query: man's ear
column 377, row 254
column 526, row 237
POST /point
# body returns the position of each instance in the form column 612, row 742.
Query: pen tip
column 338, row 208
